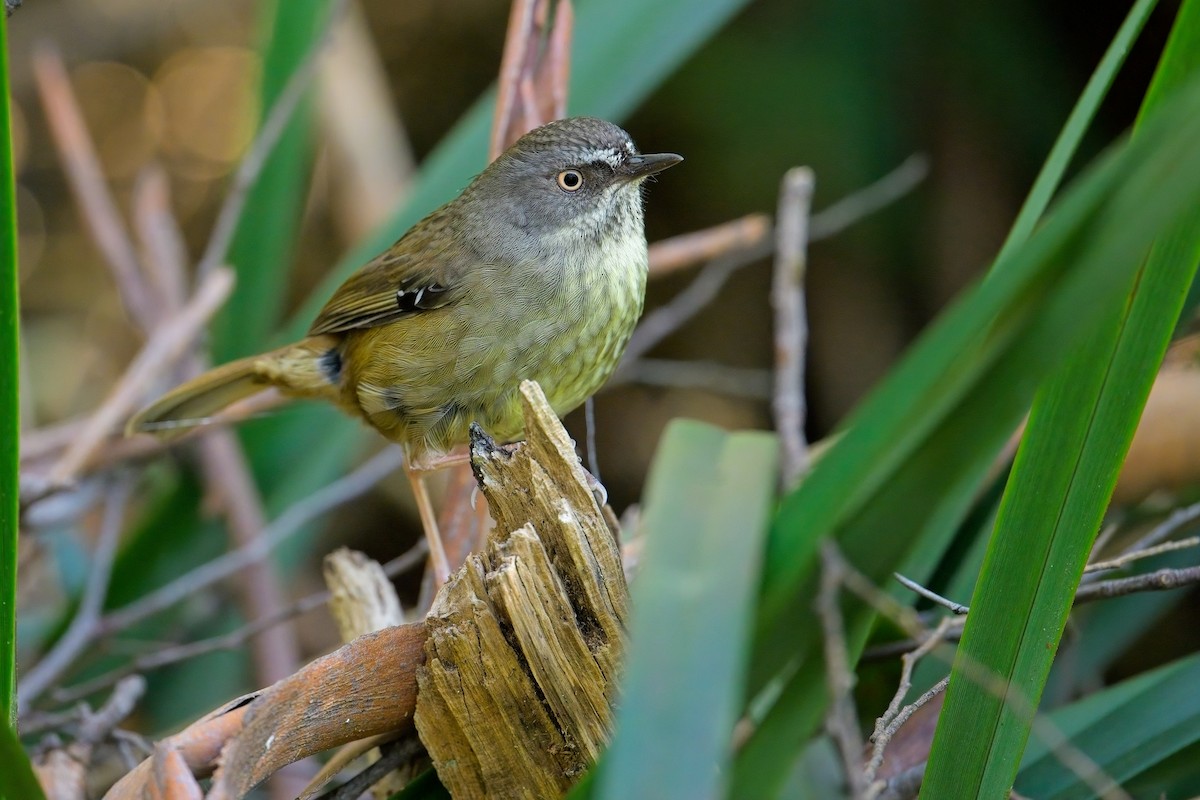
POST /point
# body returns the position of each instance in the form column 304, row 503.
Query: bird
column 535, row 271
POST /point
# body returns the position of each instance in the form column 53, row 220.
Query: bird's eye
column 570, row 180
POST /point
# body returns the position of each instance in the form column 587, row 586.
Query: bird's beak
column 638, row 167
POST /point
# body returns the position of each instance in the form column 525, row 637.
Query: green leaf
column 1078, row 433
column 10, row 403
column 709, row 500
column 17, row 781
column 1156, row 713
column 904, row 473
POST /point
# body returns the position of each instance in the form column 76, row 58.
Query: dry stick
column 1157, row 581
column 1129, row 558
column 252, row 163
column 83, row 626
column 164, row 250
column 841, row 722
column 171, row 340
column 232, row 640
column 554, row 75
column 791, row 325
column 86, row 177
column 671, row 255
column 289, row 522
column 513, row 66
column 1179, row 518
column 929, row 594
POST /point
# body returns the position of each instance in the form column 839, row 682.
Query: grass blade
column 17, row 781
column 10, row 402
column 709, row 500
column 1078, row 433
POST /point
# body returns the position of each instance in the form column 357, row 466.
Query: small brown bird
column 536, row 271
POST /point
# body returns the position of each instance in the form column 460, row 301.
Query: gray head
column 579, row 177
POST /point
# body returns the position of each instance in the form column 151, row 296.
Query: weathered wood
column 525, row 641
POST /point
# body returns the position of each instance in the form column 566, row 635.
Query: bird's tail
column 306, row 369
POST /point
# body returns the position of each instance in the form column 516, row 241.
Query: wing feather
column 418, row 273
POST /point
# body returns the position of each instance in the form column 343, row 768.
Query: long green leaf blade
column 1079, row 430
column 17, row 781
column 709, row 501
column 10, row 404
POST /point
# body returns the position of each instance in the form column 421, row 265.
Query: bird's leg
column 417, row 470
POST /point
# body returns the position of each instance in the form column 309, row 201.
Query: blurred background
column 850, row 89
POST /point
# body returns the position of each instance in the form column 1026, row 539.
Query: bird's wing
column 419, row 273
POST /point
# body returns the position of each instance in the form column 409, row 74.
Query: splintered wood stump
column 525, row 641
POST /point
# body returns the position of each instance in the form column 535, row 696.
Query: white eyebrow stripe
column 614, row 158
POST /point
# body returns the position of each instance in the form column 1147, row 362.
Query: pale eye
column 570, row 180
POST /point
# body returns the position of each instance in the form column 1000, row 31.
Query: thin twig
column 513, row 66
column 1158, row 581
column 82, row 166
column 671, row 255
column 289, row 522
column 1178, row 519
column 170, row 342
column 929, row 594
column 841, row 721
column 553, row 76
column 891, row 722
column 791, row 324
column 164, row 252
column 83, row 626
column 533, row 80
column 1138, row 555
column 1162, row 580
column 252, row 163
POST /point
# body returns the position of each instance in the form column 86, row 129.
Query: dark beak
column 638, row 167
